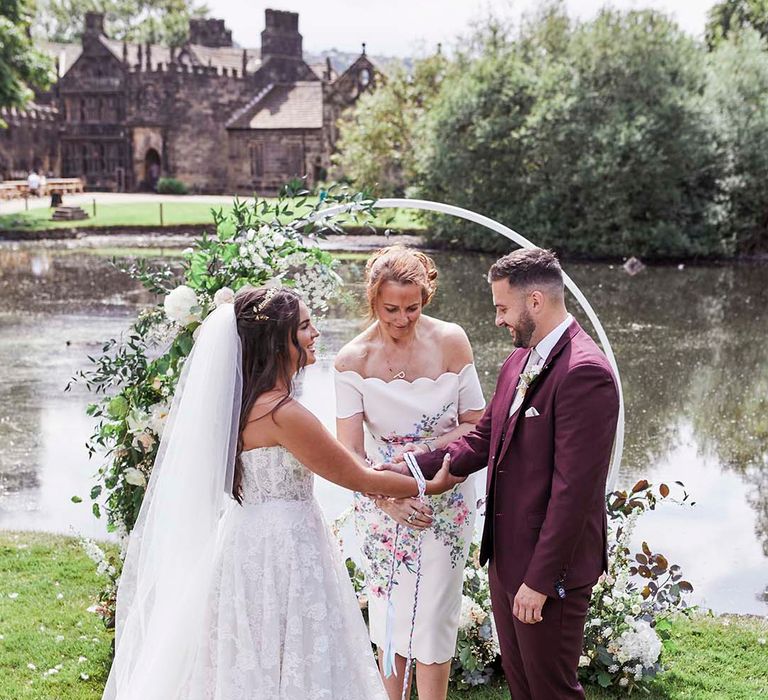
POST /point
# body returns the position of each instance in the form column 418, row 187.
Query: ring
column 410, row 518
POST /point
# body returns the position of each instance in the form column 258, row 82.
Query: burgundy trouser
column 541, row 661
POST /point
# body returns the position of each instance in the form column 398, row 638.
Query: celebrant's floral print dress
column 397, row 413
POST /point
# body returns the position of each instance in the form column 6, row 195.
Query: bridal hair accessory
column 389, row 649
column 259, row 308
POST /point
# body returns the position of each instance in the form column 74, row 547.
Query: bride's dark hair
column 267, row 323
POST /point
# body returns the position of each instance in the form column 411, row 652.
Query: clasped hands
column 411, row 512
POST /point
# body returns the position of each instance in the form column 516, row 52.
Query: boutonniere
column 529, row 377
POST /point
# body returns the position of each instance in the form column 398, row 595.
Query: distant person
column 33, row 184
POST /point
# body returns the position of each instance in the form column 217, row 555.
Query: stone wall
column 31, row 141
column 263, row 161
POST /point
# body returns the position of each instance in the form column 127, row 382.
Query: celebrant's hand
column 410, row 512
column 444, row 480
column 528, row 604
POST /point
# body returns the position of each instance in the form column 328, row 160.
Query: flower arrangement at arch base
column 630, row 612
column 260, row 243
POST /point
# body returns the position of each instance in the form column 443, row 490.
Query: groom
column 546, row 438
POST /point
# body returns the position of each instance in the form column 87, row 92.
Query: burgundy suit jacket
column 545, row 518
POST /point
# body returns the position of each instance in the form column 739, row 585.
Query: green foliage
column 22, row 67
column 729, row 16
column 737, row 96
column 593, row 143
column 377, row 139
column 170, row 185
column 158, row 21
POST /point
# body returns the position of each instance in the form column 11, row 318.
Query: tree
column 732, row 15
column 158, row 21
column 737, row 95
column 22, row 67
column 599, row 148
column 377, row 142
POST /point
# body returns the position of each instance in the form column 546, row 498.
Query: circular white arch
column 450, row 210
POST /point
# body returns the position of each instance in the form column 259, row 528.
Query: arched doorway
column 151, row 169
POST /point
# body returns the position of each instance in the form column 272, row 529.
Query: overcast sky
column 410, row 27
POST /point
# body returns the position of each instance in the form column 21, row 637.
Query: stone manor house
column 217, row 117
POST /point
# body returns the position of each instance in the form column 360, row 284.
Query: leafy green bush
column 170, row 185
column 600, row 147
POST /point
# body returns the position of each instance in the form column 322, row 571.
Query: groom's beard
column 523, row 330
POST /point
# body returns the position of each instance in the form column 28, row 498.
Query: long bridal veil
column 160, row 603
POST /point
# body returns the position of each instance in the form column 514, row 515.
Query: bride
column 233, row 587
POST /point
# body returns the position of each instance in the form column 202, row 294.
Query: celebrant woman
column 408, row 383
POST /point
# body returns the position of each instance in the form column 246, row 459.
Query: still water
column 690, row 343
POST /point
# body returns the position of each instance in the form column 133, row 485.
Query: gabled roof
column 296, row 105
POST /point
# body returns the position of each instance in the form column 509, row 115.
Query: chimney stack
column 281, row 38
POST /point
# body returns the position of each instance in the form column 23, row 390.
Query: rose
column 145, row 440
column 181, row 306
column 223, row 296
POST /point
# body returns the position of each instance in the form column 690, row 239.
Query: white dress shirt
column 538, row 357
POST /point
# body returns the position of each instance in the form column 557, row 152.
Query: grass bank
column 151, row 214
column 52, row 648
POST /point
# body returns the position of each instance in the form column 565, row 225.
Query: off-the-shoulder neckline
column 406, row 381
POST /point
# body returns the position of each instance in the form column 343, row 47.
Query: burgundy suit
column 545, row 519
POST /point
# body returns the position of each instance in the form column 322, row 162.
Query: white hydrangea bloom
column 640, row 643
column 181, row 305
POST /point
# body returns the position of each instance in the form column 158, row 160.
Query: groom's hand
column 528, row 604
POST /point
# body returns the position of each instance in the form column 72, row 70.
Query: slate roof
column 296, row 105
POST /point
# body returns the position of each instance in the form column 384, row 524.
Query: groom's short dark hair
column 529, row 267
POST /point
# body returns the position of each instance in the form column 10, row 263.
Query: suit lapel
column 509, row 429
column 508, row 398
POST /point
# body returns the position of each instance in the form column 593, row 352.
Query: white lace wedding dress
column 282, row 621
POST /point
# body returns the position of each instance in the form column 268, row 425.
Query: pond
column 690, row 343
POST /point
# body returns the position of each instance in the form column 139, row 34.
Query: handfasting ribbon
column 389, row 651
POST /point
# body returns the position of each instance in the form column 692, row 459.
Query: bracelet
column 428, row 446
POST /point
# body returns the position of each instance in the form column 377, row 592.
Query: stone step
column 69, row 214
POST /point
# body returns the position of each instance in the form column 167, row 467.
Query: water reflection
column 689, row 344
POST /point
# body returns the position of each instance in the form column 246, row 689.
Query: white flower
column 613, row 668
column 275, row 282
column 59, row 637
column 32, row 667
column 584, row 661
column 145, row 440
column 641, row 643
column 59, row 596
column 470, row 613
column 134, row 477
column 137, row 421
column 607, row 632
column 81, row 659
column 623, row 682
column 158, row 413
column 181, row 305
column 223, row 296
column 84, row 676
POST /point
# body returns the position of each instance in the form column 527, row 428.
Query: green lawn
column 148, row 214
column 47, row 584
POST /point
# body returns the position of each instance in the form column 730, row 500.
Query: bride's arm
column 302, row 434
